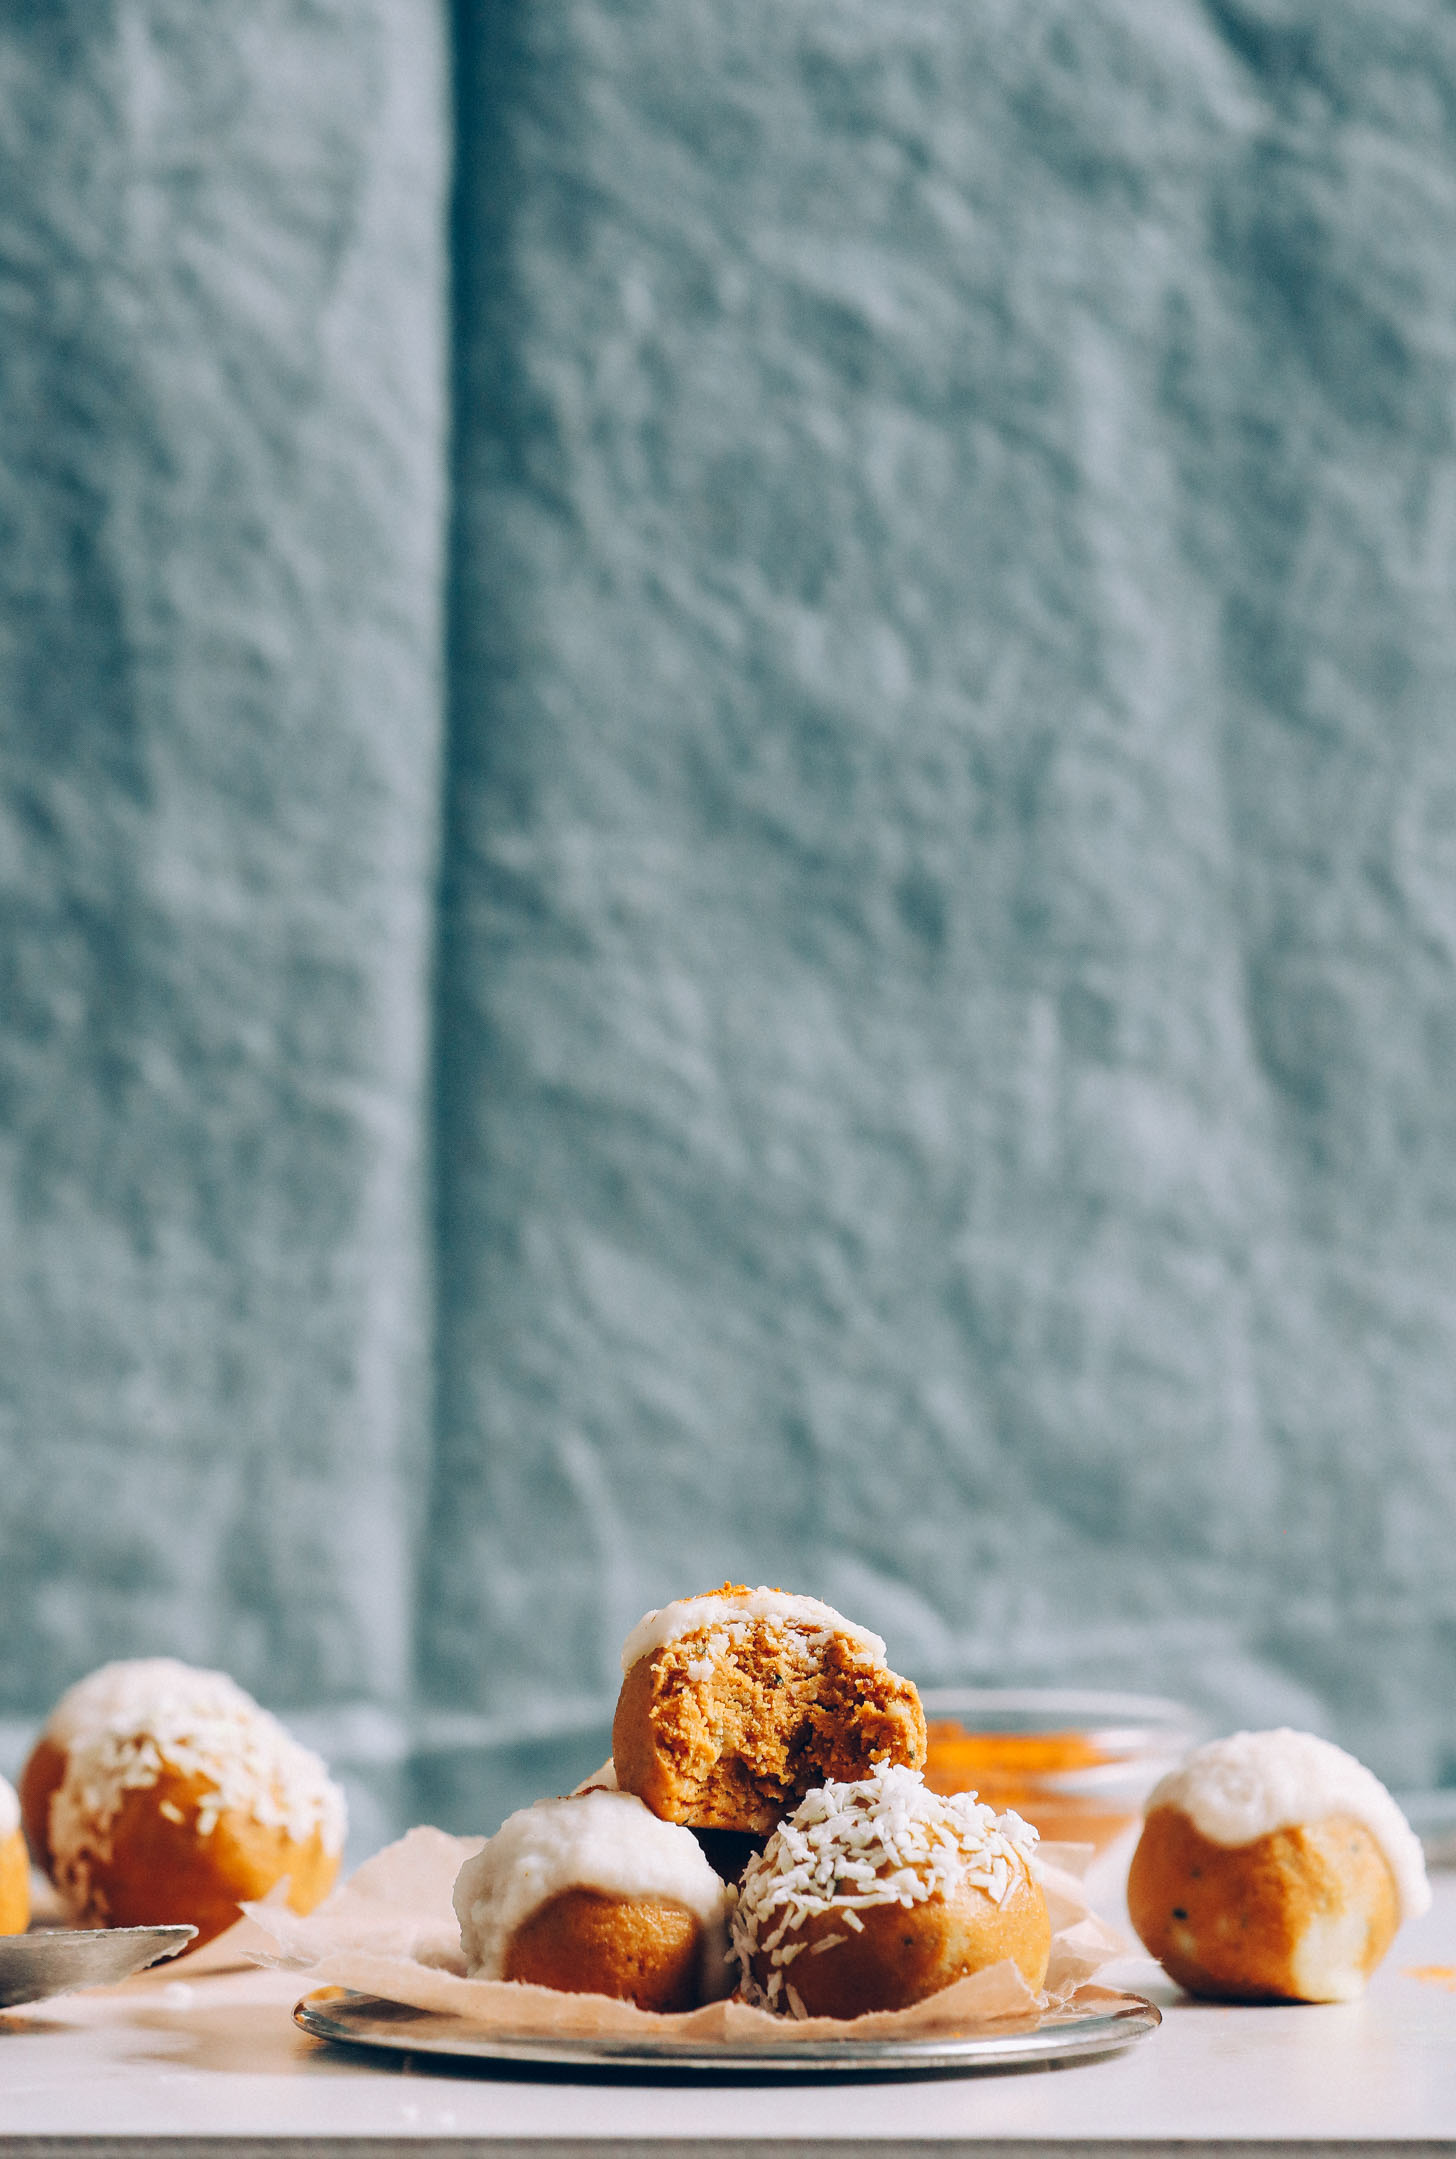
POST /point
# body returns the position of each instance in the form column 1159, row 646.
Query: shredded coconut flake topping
column 9, row 1811
column 1239, row 1789
column 249, row 1763
column 884, row 1839
column 727, row 1614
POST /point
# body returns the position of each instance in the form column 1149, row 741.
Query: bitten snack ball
column 735, row 1704
column 878, row 1893
column 178, row 1799
column 594, row 1895
column 14, row 1865
column 1273, row 1867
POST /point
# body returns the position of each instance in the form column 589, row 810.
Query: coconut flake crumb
column 603, row 1780
column 883, row 1839
column 248, row 1762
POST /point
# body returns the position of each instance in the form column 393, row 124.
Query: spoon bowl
column 57, row 1961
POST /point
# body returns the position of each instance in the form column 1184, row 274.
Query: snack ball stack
column 159, row 1794
column 1273, row 1866
column 877, row 1893
column 735, row 1704
column 594, row 1895
column 737, row 1709
column 14, row 1865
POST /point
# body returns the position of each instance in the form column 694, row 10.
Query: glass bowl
column 1078, row 1764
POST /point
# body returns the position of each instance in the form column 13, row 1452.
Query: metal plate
column 364, row 2020
column 57, row 1961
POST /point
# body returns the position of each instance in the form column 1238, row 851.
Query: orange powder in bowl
column 1076, row 1764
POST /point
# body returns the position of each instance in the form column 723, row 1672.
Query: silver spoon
column 33, row 1966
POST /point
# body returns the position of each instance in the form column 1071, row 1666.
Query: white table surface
column 176, row 2062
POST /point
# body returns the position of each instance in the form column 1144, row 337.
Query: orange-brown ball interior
column 162, row 1872
column 1228, row 1922
column 637, row 1949
column 39, row 1781
column 905, row 1953
column 14, row 1884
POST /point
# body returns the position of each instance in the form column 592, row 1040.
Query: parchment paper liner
column 390, row 1931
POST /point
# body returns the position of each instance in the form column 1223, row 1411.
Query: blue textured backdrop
column 221, row 506
column 945, row 987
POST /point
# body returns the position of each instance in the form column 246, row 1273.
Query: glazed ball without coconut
column 1273, row 1867
column 594, row 1895
column 735, row 1704
column 14, row 1865
column 877, row 1894
column 179, row 1799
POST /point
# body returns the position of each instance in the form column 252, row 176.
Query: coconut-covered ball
column 1273, row 1866
column 177, row 1799
column 594, row 1895
column 127, row 1689
column 877, row 1893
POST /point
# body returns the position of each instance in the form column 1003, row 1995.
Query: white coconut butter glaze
column 606, row 1841
column 735, row 1608
column 1238, row 1789
column 128, row 1689
column 9, row 1811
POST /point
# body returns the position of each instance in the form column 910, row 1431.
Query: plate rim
column 1104, row 2030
